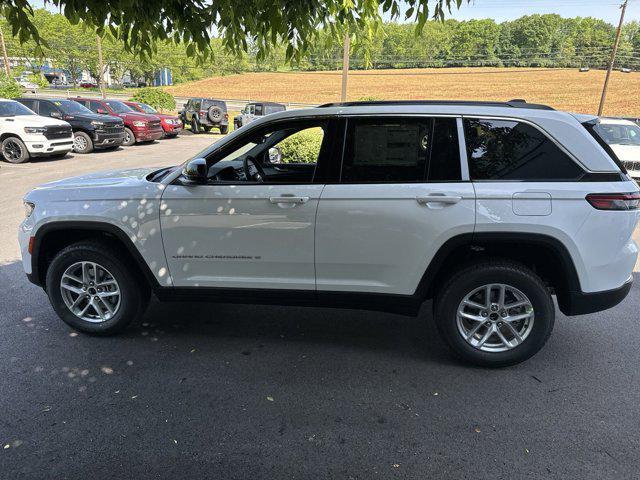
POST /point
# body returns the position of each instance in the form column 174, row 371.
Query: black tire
column 14, row 150
column 82, row 146
column 129, row 137
column 215, row 114
column 224, row 129
column 195, row 128
column 464, row 281
column 134, row 295
column 59, row 155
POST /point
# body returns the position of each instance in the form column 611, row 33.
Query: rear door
column 403, row 191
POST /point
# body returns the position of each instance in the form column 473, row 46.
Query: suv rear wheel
column 92, row 290
column 224, row 129
column 195, row 128
column 495, row 313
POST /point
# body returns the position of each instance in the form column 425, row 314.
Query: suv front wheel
column 495, row 313
column 92, row 289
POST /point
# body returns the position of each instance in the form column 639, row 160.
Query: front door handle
column 445, row 199
column 289, row 199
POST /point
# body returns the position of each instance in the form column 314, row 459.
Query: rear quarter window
column 515, row 150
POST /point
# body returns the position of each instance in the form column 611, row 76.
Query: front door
column 403, row 192
column 253, row 224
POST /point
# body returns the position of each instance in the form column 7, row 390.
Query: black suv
column 205, row 114
column 90, row 130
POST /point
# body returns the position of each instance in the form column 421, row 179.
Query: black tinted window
column 258, row 109
column 512, row 150
column 46, row 109
column 398, row 150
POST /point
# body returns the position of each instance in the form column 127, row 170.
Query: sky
column 501, row 10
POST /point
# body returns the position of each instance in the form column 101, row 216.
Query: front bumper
column 580, row 303
column 42, row 148
column 108, row 139
column 146, row 135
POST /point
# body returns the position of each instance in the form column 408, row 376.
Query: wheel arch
column 545, row 255
column 53, row 237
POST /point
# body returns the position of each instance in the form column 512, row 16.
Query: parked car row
column 36, row 127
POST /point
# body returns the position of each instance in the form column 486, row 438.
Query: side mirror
column 55, row 114
column 196, row 170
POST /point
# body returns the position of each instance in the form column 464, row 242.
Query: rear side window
column 401, row 150
column 258, row 109
column 512, row 150
column 46, row 109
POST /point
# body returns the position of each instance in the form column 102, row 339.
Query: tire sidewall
column 130, row 295
column 132, row 137
column 543, row 307
column 25, row 153
column 89, row 147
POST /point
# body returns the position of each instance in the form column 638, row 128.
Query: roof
column 515, row 103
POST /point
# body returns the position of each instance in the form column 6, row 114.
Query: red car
column 171, row 124
column 138, row 127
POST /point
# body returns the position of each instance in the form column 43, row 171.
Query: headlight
column 28, row 208
column 139, row 123
column 97, row 123
column 35, row 129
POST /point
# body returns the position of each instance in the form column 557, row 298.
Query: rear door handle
column 446, row 199
column 288, row 199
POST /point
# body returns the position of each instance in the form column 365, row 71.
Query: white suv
column 23, row 134
column 489, row 209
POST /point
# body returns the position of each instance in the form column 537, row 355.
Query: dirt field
column 565, row 89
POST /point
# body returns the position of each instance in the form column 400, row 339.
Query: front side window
column 46, row 109
column 71, row 107
column 513, row 150
column 286, row 154
column 401, row 150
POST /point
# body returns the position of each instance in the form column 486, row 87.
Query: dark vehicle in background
column 256, row 110
column 171, row 124
column 138, row 127
column 90, row 130
column 205, row 114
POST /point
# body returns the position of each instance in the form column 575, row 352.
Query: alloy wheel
column 79, row 143
column 11, row 150
column 90, row 292
column 495, row 317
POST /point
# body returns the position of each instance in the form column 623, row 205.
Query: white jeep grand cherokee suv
column 23, row 134
column 489, row 209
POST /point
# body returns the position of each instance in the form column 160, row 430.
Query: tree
column 140, row 24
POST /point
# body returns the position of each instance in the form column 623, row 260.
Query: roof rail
column 515, row 103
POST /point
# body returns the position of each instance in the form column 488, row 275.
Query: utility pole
column 7, row 68
column 100, row 66
column 345, row 66
column 623, row 8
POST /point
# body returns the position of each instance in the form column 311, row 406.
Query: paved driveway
column 246, row 392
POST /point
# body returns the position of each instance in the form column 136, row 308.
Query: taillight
column 226, row 115
column 202, row 114
column 614, row 201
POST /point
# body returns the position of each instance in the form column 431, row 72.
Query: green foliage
column 267, row 24
column 38, row 80
column 9, row 88
column 302, row 147
column 157, row 98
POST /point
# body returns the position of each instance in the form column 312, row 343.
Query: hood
column 136, row 116
column 165, row 116
column 38, row 121
column 109, row 178
column 98, row 117
column 627, row 153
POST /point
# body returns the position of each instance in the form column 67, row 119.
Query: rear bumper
column 580, row 303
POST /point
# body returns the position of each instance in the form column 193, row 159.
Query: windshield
column 10, row 109
column 147, row 108
column 118, row 107
column 70, row 107
column 618, row 134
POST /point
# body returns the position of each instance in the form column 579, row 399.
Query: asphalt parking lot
column 252, row 392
